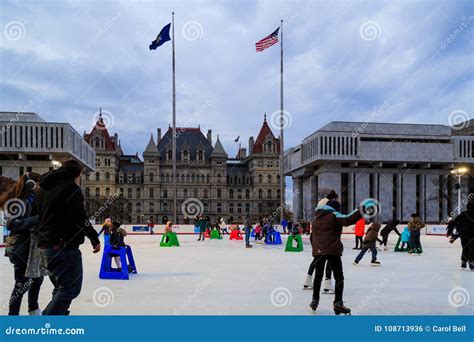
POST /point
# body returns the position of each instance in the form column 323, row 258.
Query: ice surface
column 222, row 277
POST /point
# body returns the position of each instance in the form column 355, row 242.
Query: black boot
column 314, row 304
column 339, row 308
column 463, row 264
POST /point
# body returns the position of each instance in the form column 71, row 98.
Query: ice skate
column 327, row 287
column 375, row 263
column 463, row 264
column 308, row 283
column 314, row 304
column 355, row 263
column 248, row 246
column 339, row 308
column 471, row 265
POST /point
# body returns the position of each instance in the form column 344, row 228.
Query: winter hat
column 332, row 195
column 335, row 205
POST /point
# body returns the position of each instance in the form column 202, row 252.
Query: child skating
column 370, row 241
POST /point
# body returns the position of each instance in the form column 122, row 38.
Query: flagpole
column 282, row 179
column 174, row 127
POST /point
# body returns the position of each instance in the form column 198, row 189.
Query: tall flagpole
column 174, row 129
column 282, row 179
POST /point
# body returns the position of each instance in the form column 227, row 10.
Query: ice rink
column 222, row 277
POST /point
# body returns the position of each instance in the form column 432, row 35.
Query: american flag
column 268, row 41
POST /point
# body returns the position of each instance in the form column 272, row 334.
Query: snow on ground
column 221, row 277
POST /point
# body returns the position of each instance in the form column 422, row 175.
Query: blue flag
column 162, row 38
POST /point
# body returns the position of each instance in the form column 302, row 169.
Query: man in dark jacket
column 385, row 232
column 63, row 226
column 463, row 227
column 248, row 230
column 327, row 247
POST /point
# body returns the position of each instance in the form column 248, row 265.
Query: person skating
column 391, row 226
column 21, row 222
column 248, row 229
column 370, row 241
column 62, row 229
column 405, row 238
column 463, row 227
column 151, row 225
column 202, row 224
column 414, row 226
column 359, row 231
column 327, row 247
column 223, row 226
column 106, row 227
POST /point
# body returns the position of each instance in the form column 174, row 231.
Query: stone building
column 28, row 143
column 406, row 167
column 208, row 180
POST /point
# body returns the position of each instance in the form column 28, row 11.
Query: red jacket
column 360, row 227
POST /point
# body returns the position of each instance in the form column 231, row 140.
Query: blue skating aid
column 106, row 269
column 273, row 238
column 252, row 234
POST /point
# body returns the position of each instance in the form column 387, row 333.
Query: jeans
column 336, row 265
column 65, row 267
column 415, row 239
column 247, row 236
column 23, row 285
column 364, row 250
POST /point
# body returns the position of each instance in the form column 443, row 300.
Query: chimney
column 209, row 136
column 251, row 144
column 158, row 136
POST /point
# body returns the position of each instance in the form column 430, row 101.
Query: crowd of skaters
column 44, row 239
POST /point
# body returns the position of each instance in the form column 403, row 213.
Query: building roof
column 262, row 135
column 20, row 117
column 151, row 149
column 218, row 151
column 130, row 163
column 187, row 138
column 101, row 129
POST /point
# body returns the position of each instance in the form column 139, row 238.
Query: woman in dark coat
column 385, row 232
column 327, row 247
column 463, row 227
column 19, row 209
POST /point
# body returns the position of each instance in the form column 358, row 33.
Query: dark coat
column 462, row 226
column 60, row 205
column 327, row 230
column 391, row 226
column 370, row 238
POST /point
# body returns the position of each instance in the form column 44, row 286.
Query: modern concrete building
column 406, row 167
column 28, row 143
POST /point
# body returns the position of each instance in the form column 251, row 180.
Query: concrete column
column 362, row 187
column 385, row 196
column 409, row 195
column 297, row 199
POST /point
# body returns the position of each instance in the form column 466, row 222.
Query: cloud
column 75, row 57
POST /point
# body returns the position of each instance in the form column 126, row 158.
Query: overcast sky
column 394, row 61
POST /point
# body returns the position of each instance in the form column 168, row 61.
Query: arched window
column 260, row 194
column 269, row 194
column 269, row 178
column 200, row 156
column 97, row 192
column 139, row 207
column 129, row 193
column 219, row 178
column 139, row 193
column 151, row 207
column 129, row 207
column 247, row 194
column 97, row 176
column 107, row 192
column 167, row 178
column 231, row 193
column 247, row 207
column 151, row 177
column 170, row 155
column 219, row 193
column 260, row 179
column 165, row 193
column 193, row 178
column 188, row 178
column 239, row 194
column 107, row 176
column 152, row 193
column 88, row 192
column 185, row 156
column 183, row 178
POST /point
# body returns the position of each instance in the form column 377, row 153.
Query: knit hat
column 332, row 195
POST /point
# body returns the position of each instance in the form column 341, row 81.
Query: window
column 219, row 193
column 231, row 193
column 170, row 155
column 247, row 207
column 260, row 194
column 88, row 192
column 129, row 178
column 196, row 193
column 219, row 178
column 239, row 208
column 247, row 194
column 97, row 192
column 139, row 193
column 269, row 178
column 231, row 207
column 107, row 176
column 239, row 194
column 129, row 193
column 185, row 192
column 205, row 193
column 260, row 179
column 151, row 177
column 129, row 207
column 121, row 177
column 87, row 176
column 139, row 207
column 151, row 207
column 152, row 193
column 138, row 178
column 97, row 176
column 269, row 194
column 107, row 192
column 200, row 156
column 165, row 193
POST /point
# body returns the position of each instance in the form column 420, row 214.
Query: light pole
column 460, row 171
